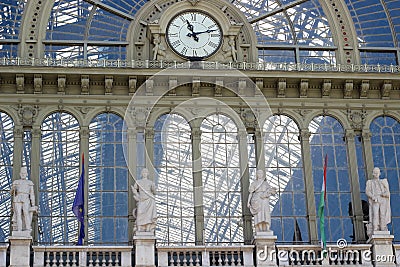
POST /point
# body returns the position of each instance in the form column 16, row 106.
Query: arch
column 336, row 114
column 375, row 114
column 46, row 112
column 92, row 114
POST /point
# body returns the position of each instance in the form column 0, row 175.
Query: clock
column 194, row 35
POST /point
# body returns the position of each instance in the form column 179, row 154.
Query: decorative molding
column 20, row 82
column 348, row 89
column 84, row 110
column 37, row 83
column 260, row 86
column 27, row 114
column 61, row 84
column 196, row 86
column 108, row 84
column 356, row 119
column 304, row 84
column 305, row 135
column 194, row 2
column 248, row 117
column 172, row 84
column 149, row 86
column 386, row 88
column 282, row 87
column 365, row 87
column 219, row 84
column 84, row 132
column 84, row 84
column 326, row 88
column 132, row 84
column 242, row 84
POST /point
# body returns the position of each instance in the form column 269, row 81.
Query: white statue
column 378, row 194
column 230, row 50
column 158, row 49
column 258, row 202
column 144, row 192
column 23, row 202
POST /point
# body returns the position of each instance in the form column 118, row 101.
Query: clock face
column 194, row 35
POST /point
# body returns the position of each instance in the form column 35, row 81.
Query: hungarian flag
column 321, row 207
column 78, row 208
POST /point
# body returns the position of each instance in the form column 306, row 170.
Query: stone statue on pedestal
column 144, row 192
column 258, row 202
column 378, row 194
column 23, row 196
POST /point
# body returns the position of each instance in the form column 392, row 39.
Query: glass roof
column 286, row 30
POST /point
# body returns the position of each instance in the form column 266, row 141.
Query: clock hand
column 207, row 31
column 192, row 34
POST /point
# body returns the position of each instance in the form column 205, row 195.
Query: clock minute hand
column 207, row 31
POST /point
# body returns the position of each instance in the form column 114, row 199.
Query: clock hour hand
column 192, row 34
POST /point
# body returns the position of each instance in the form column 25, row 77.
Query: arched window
column 173, row 164
column 108, row 182
column 284, row 171
column 6, row 165
column 59, row 175
column 221, row 180
column 327, row 138
column 385, row 141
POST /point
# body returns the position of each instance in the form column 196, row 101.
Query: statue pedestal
column 20, row 248
column 382, row 248
column 144, row 249
column 265, row 249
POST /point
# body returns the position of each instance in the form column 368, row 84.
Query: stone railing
column 3, row 255
column 82, row 256
column 334, row 256
column 396, row 248
column 206, row 256
column 207, row 65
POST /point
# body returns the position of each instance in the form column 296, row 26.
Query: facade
column 202, row 93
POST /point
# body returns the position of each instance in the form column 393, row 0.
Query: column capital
column 242, row 135
column 305, row 135
column 366, row 134
column 196, row 133
column 131, row 133
column 36, row 132
column 149, row 133
column 18, row 132
column 84, row 132
column 350, row 134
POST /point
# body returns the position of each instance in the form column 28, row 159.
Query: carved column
column 84, row 148
column 36, row 133
column 355, row 188
column 18, row 145
column 245, row 183
column 198, row 185
column 149, row 144
column 369, row 162
column 259, row 147
column 309, row 185
column 132, row 163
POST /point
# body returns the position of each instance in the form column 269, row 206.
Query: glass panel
column 221, row 180
column 59, row 175
column 385, row 141
column 173, row 163
column 283, row 160
column 6, row 173
column 108, row 181
column 327, row 139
